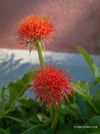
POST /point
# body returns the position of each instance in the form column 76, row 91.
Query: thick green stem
column 54, row 124
column 40, row 55
column 51, row 113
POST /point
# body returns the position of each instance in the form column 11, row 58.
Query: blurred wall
column 76, row 23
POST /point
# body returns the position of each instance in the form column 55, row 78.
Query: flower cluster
column 34, row 27
column 52, row 85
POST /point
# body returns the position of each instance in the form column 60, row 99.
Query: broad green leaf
column 95, row 103
column 64, row 109
column 76, row 110
column 82, row 88
column 94, row 121
column 29, row 107
column 45, row 131
column 93, row 84
column 35, row 129
column 72, row 129
column 97, row 73
column 94, row 124
column 66, row 130
column 98, row 94
column 84, row 107
column 26, row 101
column 17, row 89
column 95, row 70
column 2, row 131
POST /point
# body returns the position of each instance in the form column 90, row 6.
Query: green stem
column 40, row 55
column 54, row 124
column 13, row 118
column 51, row 113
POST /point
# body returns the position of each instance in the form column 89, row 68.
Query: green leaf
column 29, row 107
column 93, row 84
column 71, row 110
column 62, row 119
column 82, row 88
column 94, row 124
column 45, row 131
column 98, row 93
column 27, row 124
column 84, row 107
column 69, row 129
column 64, row 109
column 35, row 129
column 95, row 103
column 26, row 101
column 3, row 101
column 23, row 123
column 34, row 120
column 3, row 93
column 95, row 70
column 94, row 121
column 2, row 131
column 17, row 89
column 66, row 130
column 43, row 118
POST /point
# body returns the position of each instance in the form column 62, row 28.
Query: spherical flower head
column 52, row 86
column 34, row 27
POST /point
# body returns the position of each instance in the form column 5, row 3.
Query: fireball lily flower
column 52, row 86
column 34, row 29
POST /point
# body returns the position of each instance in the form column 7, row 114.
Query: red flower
column 52, row 85
column 34, row 27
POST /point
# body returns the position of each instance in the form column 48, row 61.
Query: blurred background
column 76, row 22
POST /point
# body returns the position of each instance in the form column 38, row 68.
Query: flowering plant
column 60, row 106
